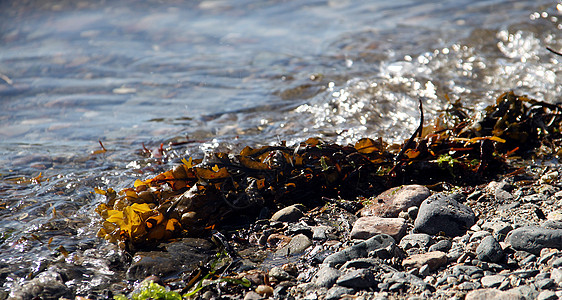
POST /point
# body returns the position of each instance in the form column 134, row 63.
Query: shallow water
column 221, row 75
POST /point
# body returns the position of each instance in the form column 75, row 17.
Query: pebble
column 443, row 213
column 297, row 245
column 337, row 292
column 415, row 240
column 366, row 227
column 489, row 250
column 395, row 200
column 359, row 250
column 492, row 281
column 556, row 275
column 358, row 279
column 433, row 260
column 533, row 238
column 288, row 214
column 442, row 245
column 265, row 290
column 326, row 276
column 547, row 295
column 279, row 274
column 251, row 295
column 488, row 294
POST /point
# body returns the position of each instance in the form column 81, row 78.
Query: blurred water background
column 219, row 75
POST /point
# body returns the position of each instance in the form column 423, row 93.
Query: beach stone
column 550, row 224
column 46, row 285
column 459, row 270
column 492, row 281
column 415, row 240
column 358, row 279
column 442, row 245
column 395, row 200
column 493, row 294
column 443, row 213
column 251, row 295
column 489, row 250
column 525, row 291
column 360, row 263
column 326, row 276
column 180, row 256
column 366, row 227
column 545, row 283
column 297, row 245
column 288, row 214
column 279, row 274
column 359, row 250
column 554, row 216
column 556, row 275
column 533, row 238
column 547, row 295
column 433, row 260
column 337, row 292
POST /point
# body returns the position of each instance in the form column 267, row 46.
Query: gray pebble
column 544, row 284
column 359, row 250
column 359, row 279
column 337, row 292
column 533, row 239
column 298, row 244
column 547, row 295
column 326, row 276
column 288, row 214
column 489, row 250
column 415, row 240
column 492, row 281
column 442, row 245
column 443, row 213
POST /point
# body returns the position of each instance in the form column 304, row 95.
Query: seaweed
column 200, row 195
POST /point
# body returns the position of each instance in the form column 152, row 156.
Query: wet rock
column 492, row 281
column 493, row 294
column 288, row 214
column 415, row 240
column 533, row 239
column 358, row 279
column 444, row 213
column 337, row 292
column 47, row 285
column 359, row 250
column 186, row 253
column 297, row 245
column 442, row 245
column 366, row 227
column 433, row 260
column 489, row 250
column 279, row 274
column 393, row 201
column 326, row 276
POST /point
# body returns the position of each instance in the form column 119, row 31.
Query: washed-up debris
column 202, row 194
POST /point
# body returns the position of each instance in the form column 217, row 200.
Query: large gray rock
column 489, row 250
column 395, row 200
column 443, row 213
column 533, row 239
